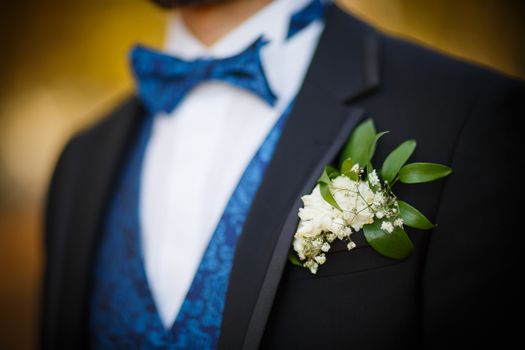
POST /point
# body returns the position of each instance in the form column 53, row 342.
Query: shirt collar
column 272, row 22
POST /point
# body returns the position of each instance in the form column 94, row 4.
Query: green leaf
column 347, row 164
column 325, row 178
column 331, row 172
column 358, row 145
column 327, row 195
column 422, row 172
column 346, row 169
column 324, row 186
column 294, row 259
column 413, row 217
column 396, row 159
column 369, row 167
column 395, row 245
column 372, row 149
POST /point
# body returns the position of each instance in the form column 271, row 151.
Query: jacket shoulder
column 416, row 60
column 103, row 129
column 82, row 152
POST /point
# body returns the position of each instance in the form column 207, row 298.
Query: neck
column 209, row 23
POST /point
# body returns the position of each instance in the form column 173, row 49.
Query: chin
column 171, row 4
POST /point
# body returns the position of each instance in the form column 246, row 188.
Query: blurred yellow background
column 63, row 64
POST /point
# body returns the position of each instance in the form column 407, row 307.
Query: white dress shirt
column 197, row 153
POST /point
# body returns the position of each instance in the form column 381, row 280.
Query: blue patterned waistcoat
column 123, row 314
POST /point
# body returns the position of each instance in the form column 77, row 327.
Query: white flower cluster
column 361, row 201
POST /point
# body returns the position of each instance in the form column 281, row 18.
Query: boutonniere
column 355, row 197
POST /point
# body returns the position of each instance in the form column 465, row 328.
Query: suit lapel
column 344, row 67
column 109, row 143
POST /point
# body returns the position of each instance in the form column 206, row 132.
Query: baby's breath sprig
column 355, row 197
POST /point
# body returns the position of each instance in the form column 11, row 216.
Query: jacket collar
column 346, row 64
column 344, row 67
column 99, row 153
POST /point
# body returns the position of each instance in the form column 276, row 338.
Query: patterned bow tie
column 313, row 11
column 163, row 81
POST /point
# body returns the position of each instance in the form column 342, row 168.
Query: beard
column 171, row 4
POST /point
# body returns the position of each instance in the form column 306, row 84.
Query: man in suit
column 170, row 221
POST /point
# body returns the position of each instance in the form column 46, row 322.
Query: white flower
column 317, row 243
column 340, row 229
column 364, row 214
column 346, row 232
column 343, row 183
column 337, row 224
column 299, row 247
column 355, row 168
column 355, row 198
column 316, row 215
column 379, row 199
column 387, row 226
column 320, row 259
column 325, row 247
column 320, row 223
column 312, row 265
column 330, row 237
column 372, row 177
column 305, row 228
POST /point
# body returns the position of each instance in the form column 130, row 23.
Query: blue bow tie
column 313, row 11
column 163, row 81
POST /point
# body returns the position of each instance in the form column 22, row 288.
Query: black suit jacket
column 458, row 287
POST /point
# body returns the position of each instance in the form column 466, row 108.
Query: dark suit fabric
column 461, row 285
